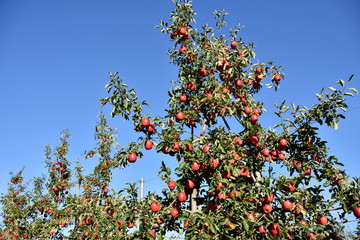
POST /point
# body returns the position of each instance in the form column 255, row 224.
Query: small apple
column 145, row 122
column 183, row 50
column 233, row 45
column 203, row 72
column 323, row 220
column 258, row 70
column 183, row 97
column 132, row 157
column 171, row 185
column 191, row 85
column 277, row 78
column 148, row 144
column 262, row 229
column 287, row 205
column 179, row 116
column 152, row 233
column 238, row 141
column 266, row 208
column 283, row 142
column 247, row 110
column 182, row 197
column 195, row 166
column 189, row 184
column 206, row 148
column 155, row 206
column 274, row 229
column 174, row 212
column 269, row 198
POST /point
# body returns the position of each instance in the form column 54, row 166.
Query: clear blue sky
column 55, row 56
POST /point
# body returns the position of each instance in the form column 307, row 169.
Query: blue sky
column 56, row 55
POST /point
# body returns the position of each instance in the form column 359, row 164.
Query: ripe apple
column 250, row 216
column 206, row 148
column 183, row 49
column 174, row 212
column 183, row 97
column 202, row 72
column 189, row 147
column 234, row 194
column 356, row 211
column 287, row 205
column 247, row 110
column 176, row 146
column 148, row 144
column 253, row 139
column 172, row 185
column 307, row 171
column 238, row 83
column 238, row 141
column 152, row 233
column 132, row 157
column 258, row 70
column 266, row 208
column 298, row 209
column 310, row 235
column 189, row 184
column 155, row 206
column 214, row 163
column 182, row 197
column 290, row 187
column 283, row 142
column 244, row 172
column 145, row 122
column 323, row 220
column 221, row 196
column 274, row 229
column 233, row 45
column 182, row 31
column 277, row 78
column 254, row 118
column 195, row 166
column 262, row 229
column 190, row 85
column 179, row 116
column 266, row 152
column 269, row 198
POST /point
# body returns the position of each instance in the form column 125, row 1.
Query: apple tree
column 236, row 178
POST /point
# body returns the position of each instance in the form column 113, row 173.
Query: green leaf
column 354, row 90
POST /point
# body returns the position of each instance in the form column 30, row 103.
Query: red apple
column 172, row 185
column 283, row 142
column 234, row 194
column 155, row 206
column 183, row 49
column 189, row 184
column 266, row 152
column 152, row 233
column 269, row 198
column 148, row 144
column 132, row 157
column 277, row 78
column 206, row 148
column 202, row 72
column 190, row 85
column 247, row 110
column 179, row 116
column 183, row 97
column 182, row 197
column 258, row 70
column 262, row 229
column 233, row 45
column 323, row 220
column 274, row 229
column 266, row 208
column 287, row 205
column 238, row 141
column 214, row 163
column 174, row 212
column 145, row 122
column 195, row 166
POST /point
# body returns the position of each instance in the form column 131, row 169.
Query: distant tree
column 235, row 178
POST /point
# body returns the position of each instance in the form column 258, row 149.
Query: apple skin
column 132, row 157
column 145, row 122
column 172, row 185
column 179, row 116
column 182, row 197
column 262, row 229
column 148, row 144
column 183, row 50
column 274, row 229
column 266, row 208
column 356, row 211
column 277, row 78
column 174, row 212
column 155, row 206
column 323, row 220
column 287, row 205
column 269, row 198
